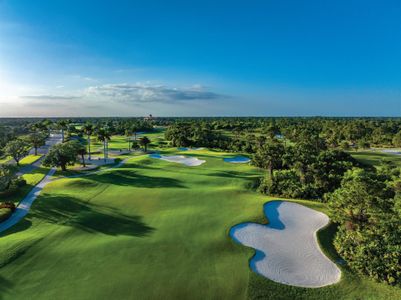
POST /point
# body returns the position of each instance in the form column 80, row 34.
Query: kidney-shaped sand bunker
column 181, row 159
column 287, row 250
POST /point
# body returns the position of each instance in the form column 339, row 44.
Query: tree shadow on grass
column 22, row 225
column 234, row 174
column 70, row 211
column 127, row 177
column 5, row 286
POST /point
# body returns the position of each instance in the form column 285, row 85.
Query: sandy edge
column 260, row 258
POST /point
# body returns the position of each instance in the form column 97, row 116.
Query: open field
column 152, row 229
column 375, row 158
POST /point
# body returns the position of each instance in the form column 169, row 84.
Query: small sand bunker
column 237, row 160
column 287, row 250
column 181, row 159
column 392, row 151
column 189, row 149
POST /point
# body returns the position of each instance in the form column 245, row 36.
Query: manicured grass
column 151, row 230
column 118, row 142
column 375, row 158
column 30, row 159
column 32, row 179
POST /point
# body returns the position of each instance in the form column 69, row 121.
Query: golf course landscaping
column 153, row 229
column 287, row 250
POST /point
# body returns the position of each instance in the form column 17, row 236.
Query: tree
column 61, row 155
column 397, row 139
column 7, row 175
column 269, row 156
column 82, row 151
column 134, row 129
column 284, row 183
column 128, row 134
column 104, row 136
column 37, row 139
column 305, row 154
column 362, row 195
column 144, row 141
column 62, row 125
column 135, row 145
column 17, row 149
column 328, row 170
column 369, row 237
column 88, row 130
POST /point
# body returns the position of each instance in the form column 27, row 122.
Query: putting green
column 147, row 230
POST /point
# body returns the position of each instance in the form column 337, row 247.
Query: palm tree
column 104, row 135
column 269, row 156
column 134, row 129
column 144, row 141
column 82, row 151
column 63, row 125
column 128, row 134
column 88, row 129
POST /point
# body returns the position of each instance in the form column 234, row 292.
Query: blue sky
column 200, row 58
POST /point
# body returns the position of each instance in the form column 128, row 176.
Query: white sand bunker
column 287, row 250
column 237, row 160
column 392, row 151
column 190, row 149
column 181, row 159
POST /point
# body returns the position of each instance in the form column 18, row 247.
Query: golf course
column 200, row 150
column 152, row 229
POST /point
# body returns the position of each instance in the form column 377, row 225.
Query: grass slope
column 375, row 158
column 150, row 230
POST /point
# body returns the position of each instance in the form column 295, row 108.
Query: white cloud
column 51, row 97
column 150, row 93
column 84, row 78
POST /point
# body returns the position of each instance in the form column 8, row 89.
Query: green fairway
column 375, row 158
column 118, row 142
column 30, row 159
column 151, row 230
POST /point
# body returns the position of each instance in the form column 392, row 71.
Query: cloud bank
column 133, row 93
column 148, row 93
column 50, row 97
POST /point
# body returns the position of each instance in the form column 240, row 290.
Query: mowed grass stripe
column 148, row 230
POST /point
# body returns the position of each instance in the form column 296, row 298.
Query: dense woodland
column 303, row 158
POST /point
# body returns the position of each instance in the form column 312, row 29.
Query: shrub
column 285, row 183
column 5, row 213
column 7, row 204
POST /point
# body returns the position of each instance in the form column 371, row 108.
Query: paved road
column 53, row 139
column 23, row 207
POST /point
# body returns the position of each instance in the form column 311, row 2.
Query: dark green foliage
column 269, row 155
column 144, row 141
column 305, row 170
column 9, row 181
column 397, row 139
column 17, row 149
column 284, row 183
column 366, row 207
column 62, row 155
column 195, row 135
column 36, row 140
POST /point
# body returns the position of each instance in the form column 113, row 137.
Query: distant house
column 148, row 118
